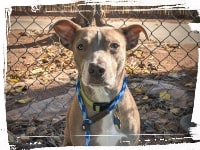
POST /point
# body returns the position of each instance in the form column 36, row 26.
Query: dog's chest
column 110, row 134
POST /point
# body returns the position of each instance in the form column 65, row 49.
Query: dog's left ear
column 132, row 35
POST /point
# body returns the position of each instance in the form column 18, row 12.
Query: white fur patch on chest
column 99, row 37
column 109, row 135
column 100, row 95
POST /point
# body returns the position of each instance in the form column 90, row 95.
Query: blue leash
column 86, row 121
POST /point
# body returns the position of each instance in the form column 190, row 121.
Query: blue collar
column 87, row 121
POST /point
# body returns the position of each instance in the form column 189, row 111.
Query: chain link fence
column 41, row 74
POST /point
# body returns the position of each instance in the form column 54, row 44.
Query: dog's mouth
column 97, row 81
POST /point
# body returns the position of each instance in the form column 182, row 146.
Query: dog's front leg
column 67, row 140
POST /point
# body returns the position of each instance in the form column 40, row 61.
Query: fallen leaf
column 23, row 57
column 16, row 88
column 131, row 67
column 152, row 67
column 138, row 54
column 167, row 48
column 164, row 95
column 174, row 75
column 36, row 71
column 51, row 68
column 164, row 120
column 19, row 84
column 19, row 89
column 141, row 65
column 146, row 71
column 171, row 45
column 129, row 70
column 24, row 100
column 13, row 81
column 58, row 63
column 190, row 84
column 45, row 60
column 160, row 111
column 138, row 90
column 45, row 79
column 67, row 61
column 145, row 97
column 150, row 57
column 133, row 84
column 175, row 110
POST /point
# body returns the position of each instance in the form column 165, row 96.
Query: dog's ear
column 132, row 35
column 65, row 29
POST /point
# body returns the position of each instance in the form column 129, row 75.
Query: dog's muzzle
column 96, row 73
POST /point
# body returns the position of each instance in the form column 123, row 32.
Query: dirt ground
column 38, row 67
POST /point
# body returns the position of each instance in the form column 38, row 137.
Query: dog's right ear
column 66, row 30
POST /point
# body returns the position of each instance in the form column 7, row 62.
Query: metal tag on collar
column 117, row 121
column 86, row 124
column 116, row 118
column 85, row 127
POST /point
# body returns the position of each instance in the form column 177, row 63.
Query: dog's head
column 99, row 52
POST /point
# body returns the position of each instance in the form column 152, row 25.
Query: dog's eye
column 80, row 47
column 114, row 45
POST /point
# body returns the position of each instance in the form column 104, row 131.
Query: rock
column 149, row 126
column 185, row 122
column 11, row 137
column 49, row 109
column 31, row 130
column 153, row 88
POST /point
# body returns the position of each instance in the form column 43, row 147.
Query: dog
column 103, row 111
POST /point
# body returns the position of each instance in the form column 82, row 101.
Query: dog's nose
column 96, row 70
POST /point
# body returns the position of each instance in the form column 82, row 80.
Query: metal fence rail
column 41, row 76
column 124, row 10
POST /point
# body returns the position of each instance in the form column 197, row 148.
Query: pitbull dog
column 103, row 111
